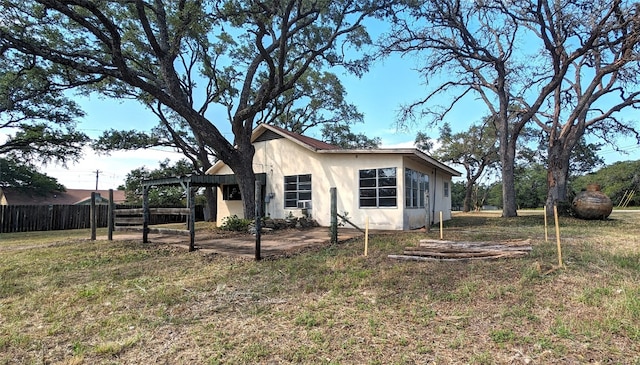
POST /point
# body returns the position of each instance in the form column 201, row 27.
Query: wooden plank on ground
column 423, row 258
column 436, row 250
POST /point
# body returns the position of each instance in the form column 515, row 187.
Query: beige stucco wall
column 280, row 157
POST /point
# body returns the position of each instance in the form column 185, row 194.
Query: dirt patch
column 272, row 244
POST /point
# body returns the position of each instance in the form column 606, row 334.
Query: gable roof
column 265, row 132
column 307, row 142
column 13, row 196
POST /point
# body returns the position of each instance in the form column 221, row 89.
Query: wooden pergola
column 190, row 184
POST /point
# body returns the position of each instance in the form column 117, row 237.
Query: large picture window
column 416, row 184
column 378, row 187
column 297, row 188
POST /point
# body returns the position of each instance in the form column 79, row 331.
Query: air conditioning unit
column 304, row 204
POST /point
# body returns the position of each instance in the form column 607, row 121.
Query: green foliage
column 341, row 135
column 26, row 177
column 457, row 195
column 615, row 180
column 125, row 140
column 161, row 196
column 35, row 114
column 182, row 59
column 502, row 336
column 38, row 121
column 318, row 99
column 476, row 150
column 584, row 158
column 531, row 185
column 233, row 223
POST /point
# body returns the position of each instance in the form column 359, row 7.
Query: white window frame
column 297, row 188
column 378, row 187
column 416, row 184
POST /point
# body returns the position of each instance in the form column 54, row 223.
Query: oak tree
column 216, row 64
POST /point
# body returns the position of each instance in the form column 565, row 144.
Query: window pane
column 367, row 193
column 290, row 179
column 387, row 202
column 388, row 172
column 290, row 187
column 291, row 196
column 304, row 178
column 290, row 204
column 367, row 174
column 367, row 183
column 305, row 186
column 367, row 202
column 388, row 192
column 304, row 196
column 387, row 181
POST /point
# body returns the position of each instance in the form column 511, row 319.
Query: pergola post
column 192, row 217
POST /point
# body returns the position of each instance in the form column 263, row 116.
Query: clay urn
column 592, row 203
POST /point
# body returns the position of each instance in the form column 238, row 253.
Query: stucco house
column 386, row 185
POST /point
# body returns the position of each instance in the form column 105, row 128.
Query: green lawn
column 67, row 300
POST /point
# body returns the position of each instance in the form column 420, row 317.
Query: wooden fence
column 28, row 218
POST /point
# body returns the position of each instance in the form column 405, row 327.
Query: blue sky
column 378, row 94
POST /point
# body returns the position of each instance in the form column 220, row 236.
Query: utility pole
column 97, row 175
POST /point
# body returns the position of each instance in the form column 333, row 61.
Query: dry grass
column 78, row 302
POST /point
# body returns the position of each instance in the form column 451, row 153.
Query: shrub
column 233, row 223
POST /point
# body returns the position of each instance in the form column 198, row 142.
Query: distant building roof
column 13, row 196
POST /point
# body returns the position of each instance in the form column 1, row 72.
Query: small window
column 378, row 187
column 297, row 188
column 446, row 190
column 231, row 192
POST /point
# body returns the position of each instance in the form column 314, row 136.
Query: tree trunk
column 557, row 174
column 507, row 158
column 468, row 193
column 211, row 207
column 241, row 163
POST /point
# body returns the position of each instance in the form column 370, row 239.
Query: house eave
column 408, row 152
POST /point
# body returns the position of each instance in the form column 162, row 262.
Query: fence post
column 93, row 215
column 258, row 202
column 145, row 214
column 334, row 215
column 110, row 219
